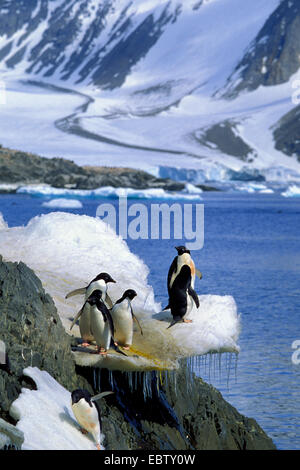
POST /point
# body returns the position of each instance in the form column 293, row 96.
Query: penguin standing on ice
column 102, row 326
column 183, row 259
column 87, row 412
column 180, row 299
column 123, row 316
column 99, row 282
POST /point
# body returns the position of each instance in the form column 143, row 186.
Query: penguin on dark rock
column 87, row 412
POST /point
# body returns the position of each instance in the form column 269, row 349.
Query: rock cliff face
column 273, row 56
column 185, row 415
column 287, row 133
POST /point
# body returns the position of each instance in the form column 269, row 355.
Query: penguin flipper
column 108, row 301
column 199, row 273
column 194, row 296
column 78, row 315
column 100, row 395
column 80, row 291
column 136, row 320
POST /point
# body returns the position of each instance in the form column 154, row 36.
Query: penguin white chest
column 182, row 260
column 85, row 324
column 123, row 323
column 100, row 328
column 87, row 417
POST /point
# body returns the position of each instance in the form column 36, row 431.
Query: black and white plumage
column 180, row 300
column 98, row 283
column 102, row 326
column 87, row 412
column 123, row 317
column 183, row 258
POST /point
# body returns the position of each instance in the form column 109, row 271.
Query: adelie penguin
column 100, row 282
column 87, row 412
column 180, row 299
column 123, row 317
column 183, row 258
column 102, row 326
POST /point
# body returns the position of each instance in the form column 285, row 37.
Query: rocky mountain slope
column 138, row 82
column 273, row 56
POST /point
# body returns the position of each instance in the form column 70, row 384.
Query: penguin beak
column 112, row 280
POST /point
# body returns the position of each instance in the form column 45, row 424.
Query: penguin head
column 181, row 250
column 80, row 394
column 105, row 277
column 95, row 296
column 129, row 294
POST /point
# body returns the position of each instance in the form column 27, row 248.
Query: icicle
column 235, row 366
column 229, row 368
column 94, row 378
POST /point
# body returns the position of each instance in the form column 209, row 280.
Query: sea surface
column 252, row 252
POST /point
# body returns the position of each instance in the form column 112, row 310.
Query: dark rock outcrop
column 188, row 415
column 273, row 56
column 182, row 412
column 224, row 137
column 27, row 168
column 32, row 333
column 287, row 133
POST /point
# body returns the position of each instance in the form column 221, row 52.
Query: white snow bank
column 110, row 192
column 215, row 327
column 45, row 416
column 62, row 203
column 66, row 251
column 292, row 191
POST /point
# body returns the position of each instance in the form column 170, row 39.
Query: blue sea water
column 252, row 252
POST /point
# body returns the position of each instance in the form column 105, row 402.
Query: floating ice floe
column 62, row 203
column 45, row 416
column 66, row 251
column 292, row 191
column 111, row 192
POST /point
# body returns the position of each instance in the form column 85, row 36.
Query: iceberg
column 45, row 416
column 292, row 191
column 66, row 251
column 62, row 203
column 110, row 192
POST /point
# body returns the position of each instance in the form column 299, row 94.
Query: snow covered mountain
column 194, row 90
